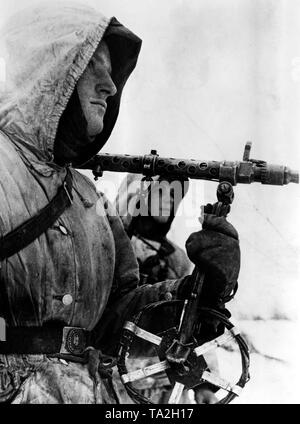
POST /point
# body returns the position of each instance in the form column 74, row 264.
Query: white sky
column 211, row 76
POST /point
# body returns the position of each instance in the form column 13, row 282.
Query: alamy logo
column 150, row 198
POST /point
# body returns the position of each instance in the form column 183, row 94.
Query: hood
column 46, row 50
column 133, row 198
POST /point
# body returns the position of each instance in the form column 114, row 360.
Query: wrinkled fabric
column 37, row 379
column 86, row 254
column 13, row 371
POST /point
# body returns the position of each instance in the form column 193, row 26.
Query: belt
column 31, row 229
column 70, row 343
column 45, row 340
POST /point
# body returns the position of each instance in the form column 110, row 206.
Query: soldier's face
column 94, row 87
column 162, row 202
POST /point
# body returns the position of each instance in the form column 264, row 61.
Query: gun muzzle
column 291, row 176
column 277, row 175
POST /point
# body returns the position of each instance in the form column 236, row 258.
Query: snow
column 274, row 364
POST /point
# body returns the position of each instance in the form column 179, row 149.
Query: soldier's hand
column 204, row 394
column 215, row 250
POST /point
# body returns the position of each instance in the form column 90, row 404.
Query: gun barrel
column 245, row 172
column 152, row 164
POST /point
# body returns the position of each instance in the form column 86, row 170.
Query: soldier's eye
column 93, row 67
column 91, row 64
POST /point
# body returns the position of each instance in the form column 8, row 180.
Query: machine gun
column 246, row 171
column 177, row 348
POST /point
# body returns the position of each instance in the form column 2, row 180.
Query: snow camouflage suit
column 86, row 254
column 172, row 264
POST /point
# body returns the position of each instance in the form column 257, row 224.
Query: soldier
column 69, row 276
column 158, row 257
column 147, row 210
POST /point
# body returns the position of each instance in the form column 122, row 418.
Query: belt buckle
column 74, row 340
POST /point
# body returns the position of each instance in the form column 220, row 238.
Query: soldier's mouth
column 101, row 103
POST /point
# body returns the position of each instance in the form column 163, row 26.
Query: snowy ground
column 274, row 363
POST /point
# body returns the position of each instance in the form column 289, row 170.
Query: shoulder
column 84, row 186
column 88, row 189
column 81, row 178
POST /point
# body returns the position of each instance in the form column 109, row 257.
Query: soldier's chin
column 94, row 128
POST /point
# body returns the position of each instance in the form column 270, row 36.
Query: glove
column 215, row 250
column 204, row 395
